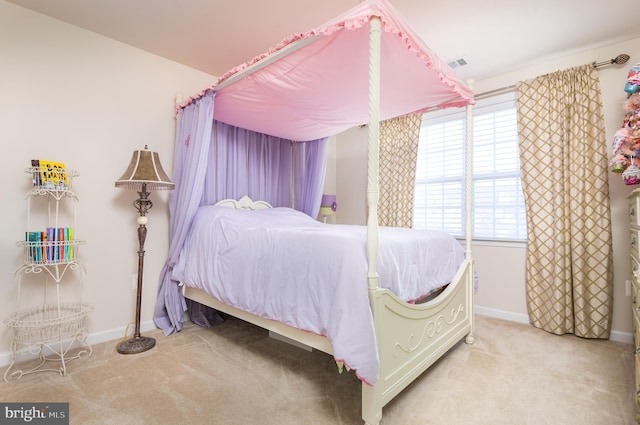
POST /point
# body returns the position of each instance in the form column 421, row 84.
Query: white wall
column 502, row 269
column 330, row 176
column 72, row 96
column 351, row 176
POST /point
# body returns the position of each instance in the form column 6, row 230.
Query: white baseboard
column 92, row 339
column 501, row 314
column 617, row 336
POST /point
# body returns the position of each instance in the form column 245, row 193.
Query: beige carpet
column 234, row 374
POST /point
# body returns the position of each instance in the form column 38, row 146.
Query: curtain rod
column 261, row 63
column 495, row 92
column 620, row 59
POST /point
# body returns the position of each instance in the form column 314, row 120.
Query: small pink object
column 631, row 175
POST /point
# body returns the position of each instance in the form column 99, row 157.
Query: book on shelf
column 65, row 237
column 43, row 246
column 70, row 247
column 55, row 246
column 60, row 246
column 51, row 237
column 50, row 175
column 50, row 246
column 35, row 167
column 33, row 246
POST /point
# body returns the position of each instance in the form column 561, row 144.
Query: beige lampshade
column 145, row 167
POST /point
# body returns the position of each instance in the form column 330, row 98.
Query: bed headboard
column 244, row 203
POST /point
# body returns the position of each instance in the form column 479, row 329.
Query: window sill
column 504, row 244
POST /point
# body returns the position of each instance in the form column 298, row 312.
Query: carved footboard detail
column 412, row 337
column 431, row 329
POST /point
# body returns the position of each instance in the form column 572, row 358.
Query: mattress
column 283, row 265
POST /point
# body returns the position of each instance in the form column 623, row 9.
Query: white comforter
column 283, row 265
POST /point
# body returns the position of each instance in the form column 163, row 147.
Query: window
column 498, row 204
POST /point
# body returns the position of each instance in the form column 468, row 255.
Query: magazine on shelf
column 50, row 174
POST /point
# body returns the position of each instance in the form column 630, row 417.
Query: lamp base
column 136, row 345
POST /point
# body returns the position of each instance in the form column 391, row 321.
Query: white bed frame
column 410, row 337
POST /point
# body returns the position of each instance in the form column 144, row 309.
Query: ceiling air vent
column 456, row 63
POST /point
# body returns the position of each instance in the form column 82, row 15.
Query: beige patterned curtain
column 398, row 153
column 564, row 179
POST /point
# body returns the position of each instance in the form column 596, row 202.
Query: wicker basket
column 39, row 325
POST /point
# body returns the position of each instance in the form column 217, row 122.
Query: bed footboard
column 412, row 337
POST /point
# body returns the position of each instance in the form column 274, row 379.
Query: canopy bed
column 360, row 68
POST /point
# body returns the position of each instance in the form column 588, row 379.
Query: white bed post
column 468, row 206
column 292, row 177
column 372, row 396
column 373, row 160
column 468, row 173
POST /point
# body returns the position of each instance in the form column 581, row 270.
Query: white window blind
column 498, row 204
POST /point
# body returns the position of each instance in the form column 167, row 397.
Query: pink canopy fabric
column 320, row 86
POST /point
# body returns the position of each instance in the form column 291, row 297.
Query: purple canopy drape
column 214, row 161
column 243, row 162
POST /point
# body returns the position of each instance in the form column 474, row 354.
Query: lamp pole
column 139, row 343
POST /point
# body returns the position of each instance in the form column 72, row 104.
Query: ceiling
column 493, row 36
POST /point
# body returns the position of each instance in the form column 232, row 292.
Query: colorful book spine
column 61, row 244
column 35, row 165
column 54, row 245
column 66, row 246
column 32, row 246
column 51, row 236
column 70, row 233
column 42, row 248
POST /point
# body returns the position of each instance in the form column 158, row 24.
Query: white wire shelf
column 51, row 322
column 56, row 330
column 50, row 252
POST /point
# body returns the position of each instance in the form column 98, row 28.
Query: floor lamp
column 144, row 173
